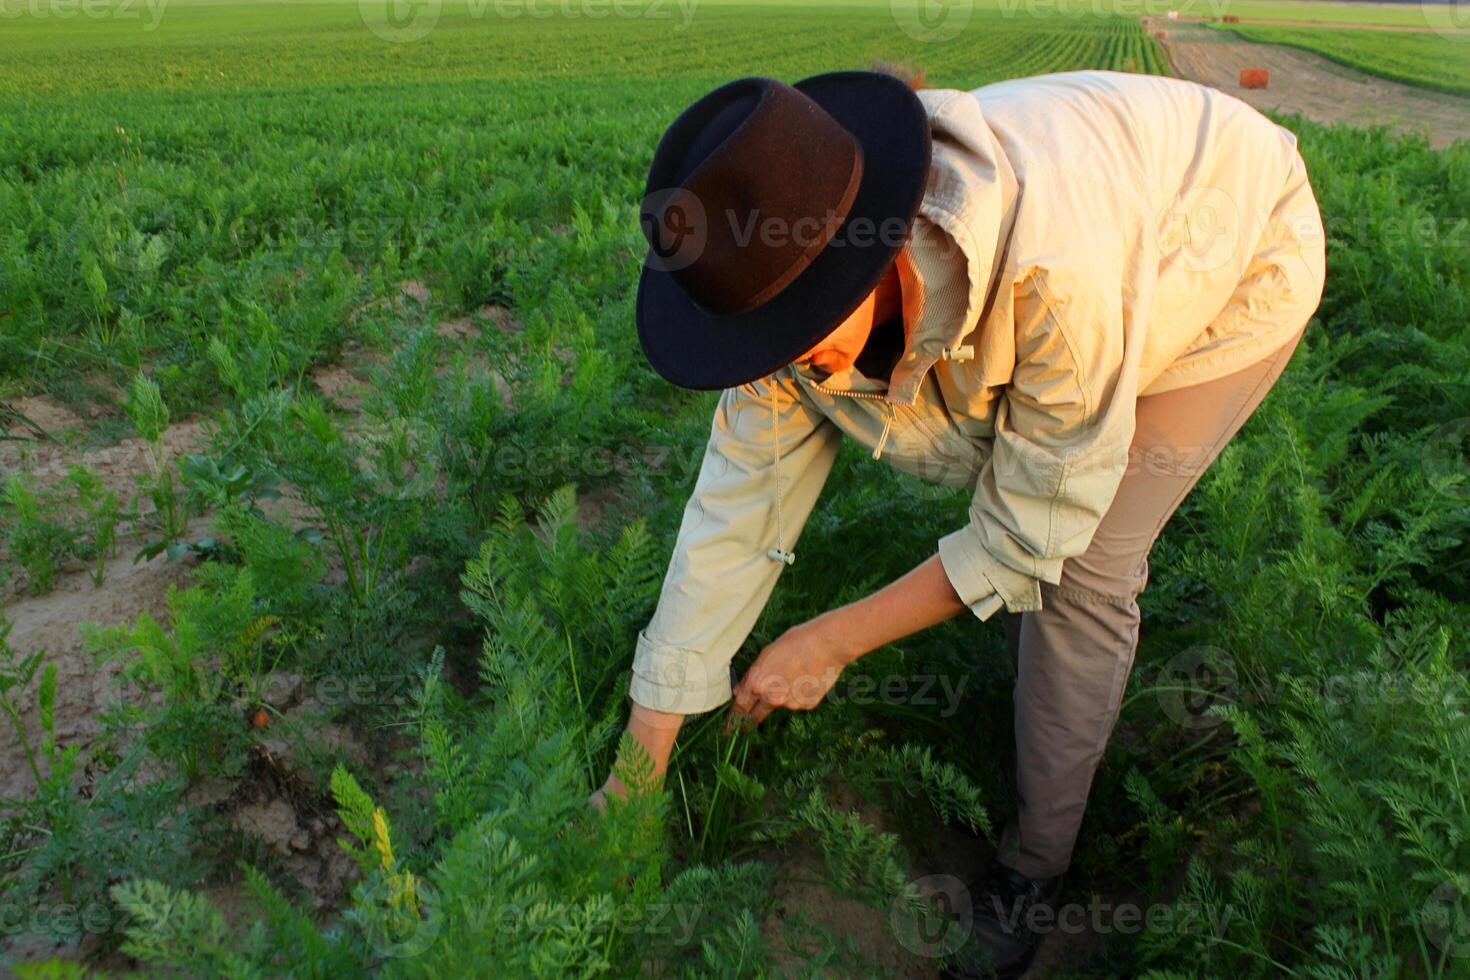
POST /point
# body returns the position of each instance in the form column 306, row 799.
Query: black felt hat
column 771, row 211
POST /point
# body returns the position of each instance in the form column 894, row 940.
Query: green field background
column 244, row 195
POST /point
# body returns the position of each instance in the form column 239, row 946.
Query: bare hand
column 794, row 673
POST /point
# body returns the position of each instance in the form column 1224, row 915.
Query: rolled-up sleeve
column 720, row 575
column 1062, row 432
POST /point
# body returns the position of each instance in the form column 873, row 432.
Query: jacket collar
column 971, row 197
column 969, row 206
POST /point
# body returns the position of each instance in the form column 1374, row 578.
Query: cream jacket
column 1085, row 238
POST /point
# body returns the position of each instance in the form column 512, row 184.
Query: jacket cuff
column 676, row 680
column 982, row 583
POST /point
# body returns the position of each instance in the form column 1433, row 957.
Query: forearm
column 918, row 600
column 655, row 731
column 720, row 573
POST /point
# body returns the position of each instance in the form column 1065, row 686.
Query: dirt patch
column 50, row 622
column 414, row 290
column 1309, row 84
column 801, row 889
column 1335, row 25
column 119, row 466
column 297, row 830
column 280, row 802
column 337, row 382
column 470, row 326
column 466, row 328
column 55, row 420
column 595, row 506
column 881, row 935
column 946, row 860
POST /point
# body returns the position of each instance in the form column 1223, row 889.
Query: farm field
column 1405, row 15
column 1435, row 61
column 217, row 46
column 1309, row 84
column 335, row 334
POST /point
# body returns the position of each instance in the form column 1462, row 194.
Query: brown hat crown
column 747, row 187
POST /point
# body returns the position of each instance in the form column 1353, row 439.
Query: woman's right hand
column 655, row 731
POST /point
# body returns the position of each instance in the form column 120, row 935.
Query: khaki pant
column 1073, row 657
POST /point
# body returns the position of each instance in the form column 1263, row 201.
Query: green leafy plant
column 220, row 482
column 216, row 650
column 51, row 767
column 367, row 492
column 169, row 519
column 179, row 931
column 47, row 526
column 99, row 509
column 71, row 839
column 40, row 540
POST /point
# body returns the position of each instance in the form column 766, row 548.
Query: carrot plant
column 16, row 673
column 206, row 241
column 63, row 842
column 216, row 650
column 39, row 539
column 168, row 522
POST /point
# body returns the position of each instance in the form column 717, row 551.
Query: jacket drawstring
column 778, row 553
column 887, row 425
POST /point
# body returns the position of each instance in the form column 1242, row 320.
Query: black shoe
column 1005, row 904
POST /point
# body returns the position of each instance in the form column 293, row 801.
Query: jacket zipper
column 883, row 397
column 779, row 553
column 962, row 353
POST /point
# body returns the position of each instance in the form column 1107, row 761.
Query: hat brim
column 696, row 349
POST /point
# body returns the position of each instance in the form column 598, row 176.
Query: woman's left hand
column 794, row 673
column 798, row 670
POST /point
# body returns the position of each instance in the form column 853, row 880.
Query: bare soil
column 1310, row 85
column 274, row 804
column 886, row 938
column 120, row 465
column 1335, row 24
column 802, row 894
column 51, row 622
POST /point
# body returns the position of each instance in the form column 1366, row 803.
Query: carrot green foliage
column 449, row 540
